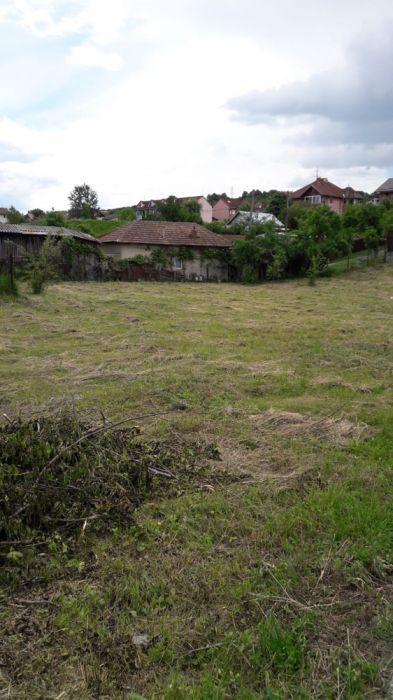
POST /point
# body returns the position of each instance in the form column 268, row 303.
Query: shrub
column 249, row 275
column 8, row 286
column 37, row 280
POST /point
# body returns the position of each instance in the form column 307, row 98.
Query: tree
column 14, row 216
column 214, row 197
column 127, row 214
column 258, row 249
column 55, row 218
column 36, row 213
column 173, row 209
column 372, row 239
column 84, row 202
column 316, row 241
column 277, row 204
column 387, row 228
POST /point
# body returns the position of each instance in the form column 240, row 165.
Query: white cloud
column 148, row 119
column 89, row 56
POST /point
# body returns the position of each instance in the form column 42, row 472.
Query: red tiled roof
column 171, row 233
column 232, row 203
column 322, row 186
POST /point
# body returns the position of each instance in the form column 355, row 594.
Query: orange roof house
column 141, row 238
column 321, row 192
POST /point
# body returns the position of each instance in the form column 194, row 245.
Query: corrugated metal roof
column 169, row 233
column 32, row 230
column 256, row 217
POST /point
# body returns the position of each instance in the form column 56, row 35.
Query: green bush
column 249, row 275
column 8, row 286
column 37, row 280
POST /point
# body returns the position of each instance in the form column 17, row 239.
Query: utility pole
column 287, row 213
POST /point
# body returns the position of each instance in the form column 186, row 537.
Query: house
column 26, row 239
column 225, row 208
column 247, row 218
column 352, row 196
column 320, row 192
column 206, row 208
column 146, row 209
column 187, row 249
column 3, row 215
column 385, row 191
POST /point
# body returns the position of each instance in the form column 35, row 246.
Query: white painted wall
column 198, row 267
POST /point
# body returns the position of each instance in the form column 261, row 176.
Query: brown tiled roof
column 350, row 193
column 233, row 203
column 3, row 211
column 169, row 233
column 387, row 186
column 322, row 186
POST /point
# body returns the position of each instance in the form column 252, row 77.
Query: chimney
column 193, row 233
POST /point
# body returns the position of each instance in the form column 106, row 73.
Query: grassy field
column 270, row 576
column 94, row 227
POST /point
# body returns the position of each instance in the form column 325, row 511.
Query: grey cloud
column 350, row 105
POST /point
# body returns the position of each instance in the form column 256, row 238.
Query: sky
column 146, row 98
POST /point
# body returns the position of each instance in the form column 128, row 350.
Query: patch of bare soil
column 337, row 431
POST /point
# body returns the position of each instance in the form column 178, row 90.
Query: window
column 177, row 264
column 313, row 199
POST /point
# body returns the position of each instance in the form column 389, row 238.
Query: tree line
column 316, row 236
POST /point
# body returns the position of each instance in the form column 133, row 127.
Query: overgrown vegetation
column 8, row 285
column 266, row 573
column 58, row 475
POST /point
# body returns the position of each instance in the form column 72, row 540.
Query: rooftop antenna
column 317, row 174
column 232, row 192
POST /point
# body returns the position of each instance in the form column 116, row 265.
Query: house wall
column 4, row 219
column 192, row 269
column 221, row 211
column 335, row 204
column 206, row 210
column 385, row 195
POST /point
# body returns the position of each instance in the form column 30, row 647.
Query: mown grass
column 275, row 582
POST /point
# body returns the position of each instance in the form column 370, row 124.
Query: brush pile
column 59, row 476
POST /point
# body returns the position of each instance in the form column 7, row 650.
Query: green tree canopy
column 83, row 202
column 55, row 218
column 173, row 209
column 15, row 216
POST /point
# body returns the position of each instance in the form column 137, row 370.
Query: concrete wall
column 191, row 269
column 206, row 210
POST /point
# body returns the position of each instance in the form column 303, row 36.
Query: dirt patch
column 337, row 431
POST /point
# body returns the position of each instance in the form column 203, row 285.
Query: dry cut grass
column 267, row 573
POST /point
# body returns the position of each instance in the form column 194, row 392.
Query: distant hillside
column 93, row 226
